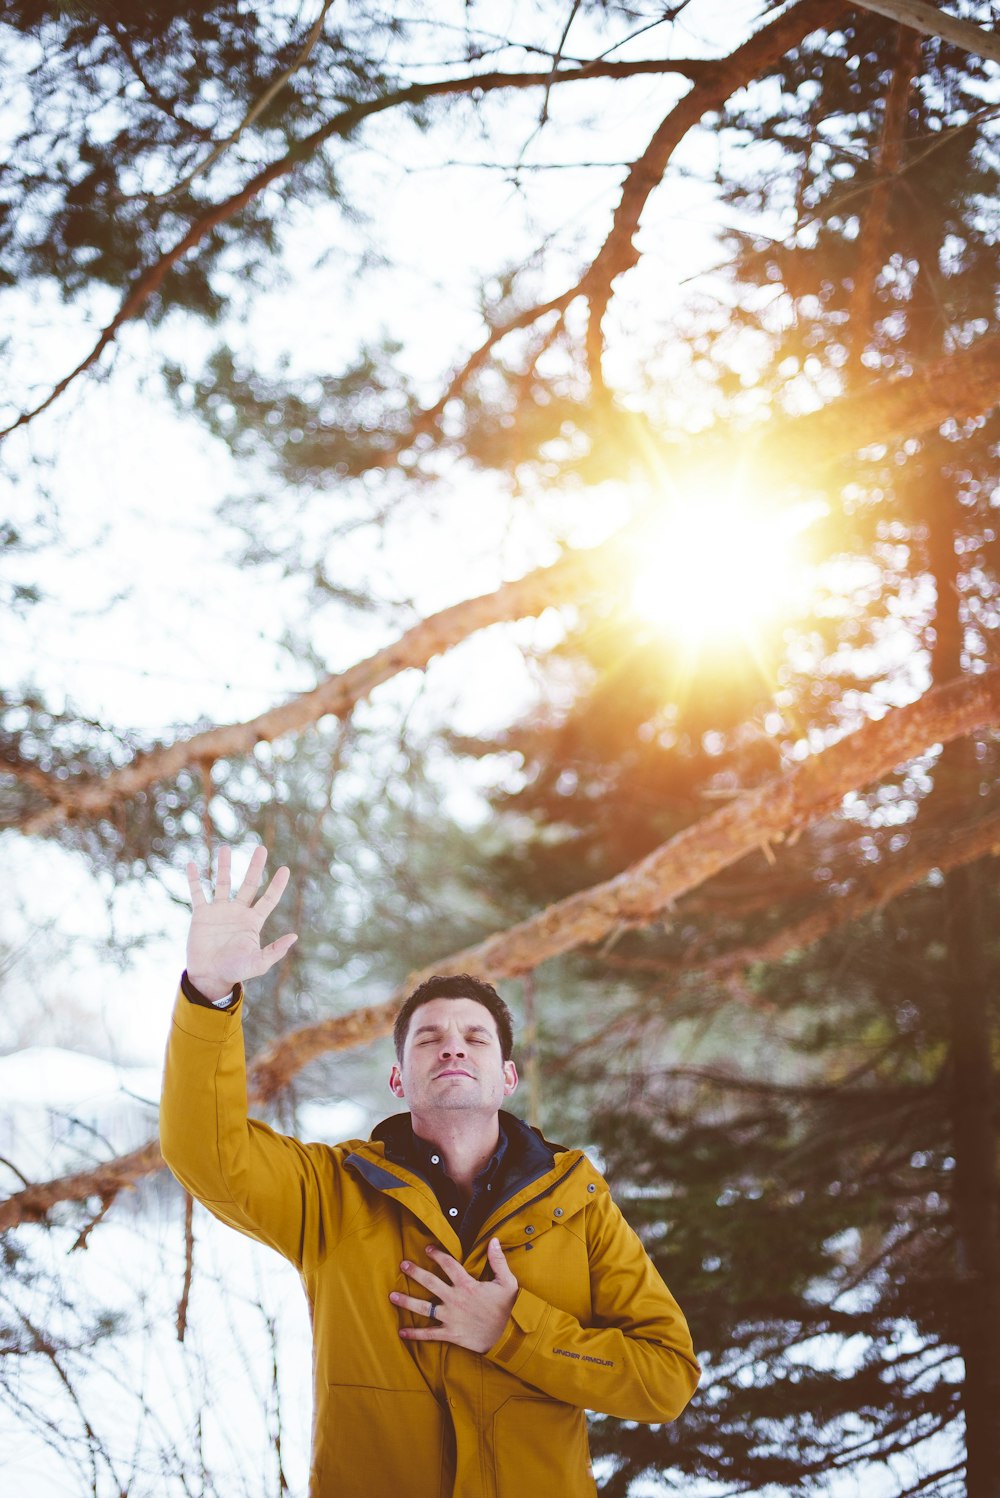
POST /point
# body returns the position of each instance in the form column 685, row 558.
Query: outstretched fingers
column 194, row 885
column 253, row 876
column 272, row 894
column 275, row 950
column 249, row 887
column 222, row 873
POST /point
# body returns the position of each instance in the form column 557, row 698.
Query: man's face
column 452, row 1060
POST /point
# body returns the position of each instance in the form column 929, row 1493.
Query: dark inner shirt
column 426, row 1161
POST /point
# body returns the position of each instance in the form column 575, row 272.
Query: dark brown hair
column 461, row 986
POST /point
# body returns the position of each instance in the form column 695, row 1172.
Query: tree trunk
column 975, row 1215
column 873, row 240
column 974, row 1200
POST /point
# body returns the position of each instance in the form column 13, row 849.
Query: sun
column 718, row 571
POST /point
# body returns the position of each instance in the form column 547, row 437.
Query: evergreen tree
column 836, row 1188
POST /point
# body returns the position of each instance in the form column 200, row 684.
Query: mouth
column 453, row 1073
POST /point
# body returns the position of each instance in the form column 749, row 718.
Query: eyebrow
column 436, row 1029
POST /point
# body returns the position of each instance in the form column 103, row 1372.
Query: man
column 473, row 1289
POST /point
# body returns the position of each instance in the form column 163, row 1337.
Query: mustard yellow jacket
column 593, row 1327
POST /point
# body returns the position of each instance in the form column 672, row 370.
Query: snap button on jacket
column 593, row 1327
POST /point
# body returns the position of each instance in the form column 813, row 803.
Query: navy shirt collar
column 522, row 1155
column 406, row 1148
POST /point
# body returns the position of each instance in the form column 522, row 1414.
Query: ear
column 396, row 1081
column 509, row 1078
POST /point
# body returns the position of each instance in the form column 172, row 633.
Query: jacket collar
column 520, row 1158
column 405, row 1147
column 535, row 1168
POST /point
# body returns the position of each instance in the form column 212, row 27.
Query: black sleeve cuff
column 190, row 992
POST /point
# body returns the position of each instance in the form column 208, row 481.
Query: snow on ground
column 137, row 1411
column 161, row 1412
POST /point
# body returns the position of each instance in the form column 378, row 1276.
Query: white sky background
column 147, row 624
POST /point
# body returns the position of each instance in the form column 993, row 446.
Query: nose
column 452, row 1048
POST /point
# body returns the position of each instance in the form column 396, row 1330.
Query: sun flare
column 715, row 572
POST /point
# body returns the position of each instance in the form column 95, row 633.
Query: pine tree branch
column 149, row 281
column 722, row 78
column 931, row 21
column 890, row 1095
column 965, row 384
column 256, row 109
column 931, row 1482
column 575, row 575
column 777, row 809
column 884, row 884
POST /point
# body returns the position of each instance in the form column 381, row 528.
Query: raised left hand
column 471, row 1313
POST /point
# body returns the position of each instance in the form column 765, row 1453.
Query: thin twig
column 182, row 1305
column 273, row 89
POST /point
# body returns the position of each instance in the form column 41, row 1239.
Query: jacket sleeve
column 635, row 1361
column 271, row 1187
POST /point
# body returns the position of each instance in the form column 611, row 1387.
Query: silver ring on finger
column 432, row 1309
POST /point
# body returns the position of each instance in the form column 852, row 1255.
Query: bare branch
column 102, row 1181
column 557, row 58
column 9, row 1165
column 426, row 421
column 97, row 1218
column 637, row 896
column 927, row 19
column 151, row 279
column 121, row 36
column 713, row 85
column 721, row 79
column 185, row 1300
column 573, row 576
